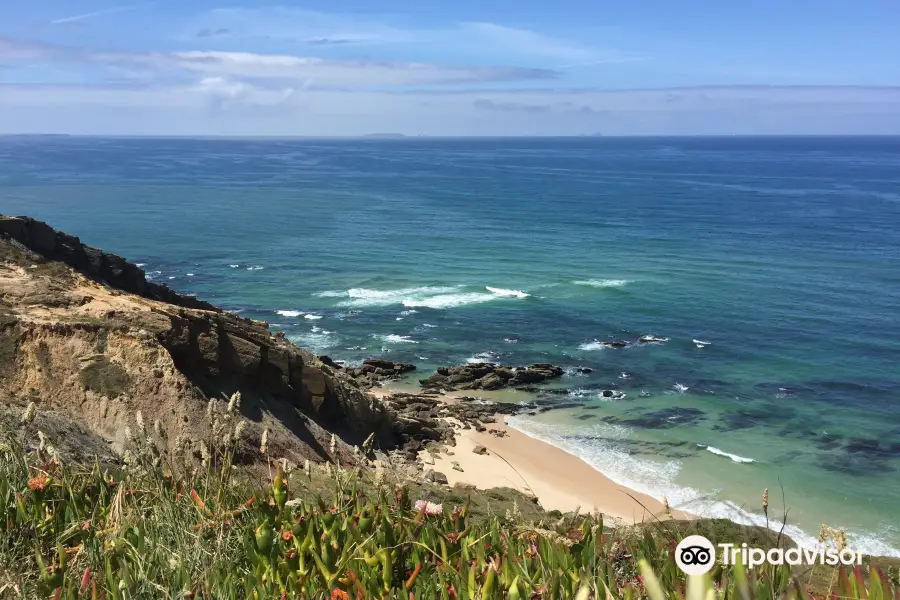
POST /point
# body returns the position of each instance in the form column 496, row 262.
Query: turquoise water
column 782, row 253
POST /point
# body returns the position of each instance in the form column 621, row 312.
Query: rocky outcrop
column 115, row 271
column 375, row 370
column 490, row 376
column 84, row 334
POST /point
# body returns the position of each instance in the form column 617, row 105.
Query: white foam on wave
column 255, row 268
column 701, row 343
column 435, row 297
column 140, row 264
column 406, row 313
column 596, row 445
column 289, row 313
column 363, row 297
column 395, row 339
column 482, row 357
column 442, row 301
column 190, row 274
column 591, row 346
column 331, row 294
column 733, row 457
column 505, row 292
column 679, row 388
column 235, row 266
column 429, row 325
column 511, row 340
column 604, row 283
column 312, row 317
column 316, row 339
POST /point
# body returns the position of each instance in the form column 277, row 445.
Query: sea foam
column 733, row 457
column 289, row 313
column 604, row 283
column 504, row 292
column 590, row 346
column 396, row 339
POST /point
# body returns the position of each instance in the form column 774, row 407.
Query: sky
column 466, row 67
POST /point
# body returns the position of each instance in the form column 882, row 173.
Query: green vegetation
column 163, row 527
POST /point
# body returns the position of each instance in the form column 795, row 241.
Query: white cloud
column 308, row 71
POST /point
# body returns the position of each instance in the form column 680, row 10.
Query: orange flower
column 339, row 594
column 287, row 535
column 39, row 483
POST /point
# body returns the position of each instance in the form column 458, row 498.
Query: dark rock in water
column 584, row 370
column 375, row 370
column 326, row 360
column 613, row 394
column 617, row 344
column 744, row 418
column 660, row 419
column 490, row 376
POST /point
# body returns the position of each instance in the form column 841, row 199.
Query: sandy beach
column 560, row 480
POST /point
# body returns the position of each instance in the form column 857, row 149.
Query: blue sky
column 453, row 68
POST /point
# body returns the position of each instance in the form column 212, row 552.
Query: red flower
column 287, row 535
column 39, row 483
column 339, row 594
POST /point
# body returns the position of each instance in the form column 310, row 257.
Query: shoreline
column 559, row 480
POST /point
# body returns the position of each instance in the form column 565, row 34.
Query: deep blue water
column 781, row 252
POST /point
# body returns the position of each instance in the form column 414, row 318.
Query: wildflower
column 210, row 410
column 38, row 483
column 515, row 509
column 239, row 430
column 823, row 533
column 379, row 474
column 287, row 535
column 430, row 508
column 129, row 435
column 139, row 419
column 339, row 594
column 765, row 501
column 307, row 468
column 157, row 428
column 29, row 414
column 43, row 439
column 204, row 452
column 264, row 442
column 333, row 446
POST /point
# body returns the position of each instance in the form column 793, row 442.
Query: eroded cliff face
column 84, row 334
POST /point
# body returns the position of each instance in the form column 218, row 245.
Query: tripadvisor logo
column 696, row 555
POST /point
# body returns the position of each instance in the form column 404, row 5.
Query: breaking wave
column 733, row 457
column 396, row 339
column 289, row 313
column 435, row 297
column 504, row 292
column 604, row 283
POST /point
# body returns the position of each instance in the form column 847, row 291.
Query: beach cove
column 767, row 263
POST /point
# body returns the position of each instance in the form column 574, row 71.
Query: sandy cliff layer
column 84, row 334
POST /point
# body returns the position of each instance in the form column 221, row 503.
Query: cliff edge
column 85, row 336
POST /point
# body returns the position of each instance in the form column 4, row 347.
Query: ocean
column 772, row 265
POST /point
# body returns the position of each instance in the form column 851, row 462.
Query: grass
column 165, row 527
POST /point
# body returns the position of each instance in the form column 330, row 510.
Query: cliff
column 86, row 337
